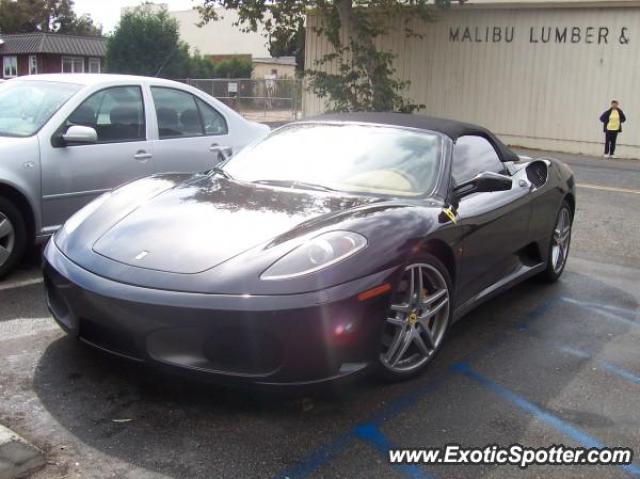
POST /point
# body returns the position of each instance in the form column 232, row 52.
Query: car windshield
column 27, row 105
column 345, row 157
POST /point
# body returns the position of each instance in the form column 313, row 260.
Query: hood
column 14, row 149
column 199, row 224
column 20, row 163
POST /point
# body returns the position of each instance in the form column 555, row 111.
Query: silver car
column 65, row 139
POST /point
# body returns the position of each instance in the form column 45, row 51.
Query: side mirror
column 80, row 134
column 486, row 182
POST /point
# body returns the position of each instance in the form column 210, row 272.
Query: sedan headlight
column 316, row 254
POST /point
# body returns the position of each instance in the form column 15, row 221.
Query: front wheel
column 559, row 245
column 418, row 319
column 13, row 236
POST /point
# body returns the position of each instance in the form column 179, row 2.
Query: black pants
column 610, row 138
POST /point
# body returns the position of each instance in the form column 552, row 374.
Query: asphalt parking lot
column 540, row 365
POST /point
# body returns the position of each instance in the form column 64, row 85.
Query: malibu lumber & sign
column 590, row 35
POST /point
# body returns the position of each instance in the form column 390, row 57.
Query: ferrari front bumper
column 269, row 340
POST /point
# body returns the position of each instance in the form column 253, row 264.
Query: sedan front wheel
column 12, row 236
column 418, row 319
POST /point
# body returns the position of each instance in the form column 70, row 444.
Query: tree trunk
column 362, row 42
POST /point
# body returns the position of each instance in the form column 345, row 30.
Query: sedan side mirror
column 485, row 182
column 80, row 134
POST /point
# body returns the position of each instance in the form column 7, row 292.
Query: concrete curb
column 17, row 456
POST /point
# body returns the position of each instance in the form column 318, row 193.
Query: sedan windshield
column 345, row 157
column 27, row 105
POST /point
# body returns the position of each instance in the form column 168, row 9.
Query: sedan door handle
column 225, row 151
column 142, row 155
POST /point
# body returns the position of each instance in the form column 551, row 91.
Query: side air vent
column 537, row 173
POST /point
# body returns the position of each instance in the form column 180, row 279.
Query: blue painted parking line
column 535, row 313
column 318, row 457
column 617, row 370
column 623, row 373
column 327, row 452
column 632, row 312
column 338, row 445
column 616, row 317
column 622, row 315
column 600, row 308
column 370, row 434
column 539, row 413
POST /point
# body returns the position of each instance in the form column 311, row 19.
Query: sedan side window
column 117, row 114
column 214, row 122
column 473, row 155
column 177, row 113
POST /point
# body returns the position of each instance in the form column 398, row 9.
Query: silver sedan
column 65, row 139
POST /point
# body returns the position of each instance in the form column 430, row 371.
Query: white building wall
column 221, row 37
column 533, row 94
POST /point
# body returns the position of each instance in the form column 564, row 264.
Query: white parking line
column 608, row 188
column 20, row 284
column 21, row 327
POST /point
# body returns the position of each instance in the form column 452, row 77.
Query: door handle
column 142, row 155
column 225, row 151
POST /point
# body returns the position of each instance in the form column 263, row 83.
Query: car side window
column 116, row 113
column 214, row 122
column 177, row 113
column 473, row 155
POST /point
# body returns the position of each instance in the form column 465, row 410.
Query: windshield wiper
column 294, row 184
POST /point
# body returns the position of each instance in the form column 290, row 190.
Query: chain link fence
column 261, row 100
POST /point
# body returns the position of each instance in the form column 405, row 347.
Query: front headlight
column 316, row 254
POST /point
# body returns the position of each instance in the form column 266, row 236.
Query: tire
column 416, row 325
column 13, row 236
column 559, row 244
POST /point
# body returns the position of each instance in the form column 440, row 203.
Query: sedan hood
column 201, row 223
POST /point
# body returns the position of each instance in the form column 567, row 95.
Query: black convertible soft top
column 451, row 128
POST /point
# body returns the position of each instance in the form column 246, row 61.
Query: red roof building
column 39, row 52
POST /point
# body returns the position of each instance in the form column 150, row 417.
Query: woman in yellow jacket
column 612, row 121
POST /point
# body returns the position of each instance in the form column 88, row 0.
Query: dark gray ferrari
column 337, row 245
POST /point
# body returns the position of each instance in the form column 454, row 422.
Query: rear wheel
column 418, row 319
column 13, row 236
column 559, row 245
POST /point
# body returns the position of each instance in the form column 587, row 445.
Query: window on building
column 473, row 155
column 72, row 65
column 117, row 114
column 33, row 65
column 94, row 65
column 9, row 66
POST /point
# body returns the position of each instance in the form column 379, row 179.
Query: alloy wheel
column 7, row 238
column 417, row 320
column 560, row 241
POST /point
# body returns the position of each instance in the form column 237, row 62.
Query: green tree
column 365, row 75
column 285, row 42
column 147, row 42
column 84, row 26
column 25, row 16
column 201, row 67
column 234, row 68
